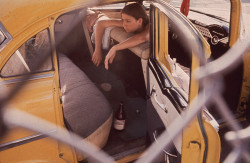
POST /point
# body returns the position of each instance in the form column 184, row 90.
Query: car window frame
column 34, row 72
column 7, row 36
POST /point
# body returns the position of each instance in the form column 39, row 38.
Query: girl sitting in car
column 134, row 19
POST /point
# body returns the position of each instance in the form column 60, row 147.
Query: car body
column 66, row 90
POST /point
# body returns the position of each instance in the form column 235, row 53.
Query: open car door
column 171, row 86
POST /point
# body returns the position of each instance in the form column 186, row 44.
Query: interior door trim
column 177, row 99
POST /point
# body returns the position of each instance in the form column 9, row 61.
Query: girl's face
column 130, row 24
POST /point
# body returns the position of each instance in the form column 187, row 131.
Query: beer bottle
column 120, row 118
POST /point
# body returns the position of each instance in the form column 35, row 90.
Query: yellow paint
column 234, row 22
column 193, row 145
column 162, row 55
column 214, row 144
column 36, row 98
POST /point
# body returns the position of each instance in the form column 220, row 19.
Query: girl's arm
column 129, row 43
column 100, row 28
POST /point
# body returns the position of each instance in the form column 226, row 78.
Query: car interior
column 124, row 81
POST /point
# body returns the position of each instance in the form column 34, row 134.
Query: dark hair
column 137, row 11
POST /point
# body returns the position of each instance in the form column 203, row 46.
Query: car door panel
column 164, row 107
column 167, row 96
column 36, row 92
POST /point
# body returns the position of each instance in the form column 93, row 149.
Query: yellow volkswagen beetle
column 47, row 72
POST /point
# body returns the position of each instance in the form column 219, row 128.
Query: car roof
column 17, row 15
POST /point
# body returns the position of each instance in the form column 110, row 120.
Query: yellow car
column 47, row 72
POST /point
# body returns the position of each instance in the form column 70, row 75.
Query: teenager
column 134, row 19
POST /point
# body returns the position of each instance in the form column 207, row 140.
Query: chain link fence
column 211, row 82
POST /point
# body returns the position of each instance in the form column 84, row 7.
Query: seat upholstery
column 85, row 108
column 119, row 35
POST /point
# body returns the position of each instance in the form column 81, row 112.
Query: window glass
column 27, row 59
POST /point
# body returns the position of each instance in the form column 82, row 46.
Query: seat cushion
column 84, row 106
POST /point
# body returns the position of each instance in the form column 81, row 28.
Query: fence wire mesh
column 210, row 79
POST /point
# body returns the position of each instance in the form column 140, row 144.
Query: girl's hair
column 137, row 11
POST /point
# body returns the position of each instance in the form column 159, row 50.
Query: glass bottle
column 120, row 118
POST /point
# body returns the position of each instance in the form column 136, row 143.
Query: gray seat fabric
column 84, row 106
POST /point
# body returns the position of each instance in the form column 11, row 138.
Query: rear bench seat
column 86, row 110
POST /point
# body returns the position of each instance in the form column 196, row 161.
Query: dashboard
column 214, row 29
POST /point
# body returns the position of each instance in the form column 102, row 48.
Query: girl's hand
column 97, row 57
column 110, row 57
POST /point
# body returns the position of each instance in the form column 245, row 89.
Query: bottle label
column 119, row 124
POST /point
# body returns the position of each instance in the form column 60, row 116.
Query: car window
column 27, row 59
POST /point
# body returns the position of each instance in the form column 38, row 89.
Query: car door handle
column 162, row 106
